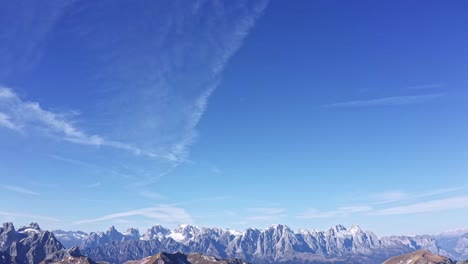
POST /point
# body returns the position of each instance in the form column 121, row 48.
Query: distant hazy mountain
column 70, row 239
column 454, row 242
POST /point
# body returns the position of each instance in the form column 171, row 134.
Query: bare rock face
column 276, row 244
column 419, row 257
column 72, row 257
column 28, row 244
column 179, row 258
column 5, row 258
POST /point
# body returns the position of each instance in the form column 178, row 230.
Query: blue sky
column 234, row 114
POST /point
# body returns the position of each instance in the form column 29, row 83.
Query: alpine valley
column 276, row 244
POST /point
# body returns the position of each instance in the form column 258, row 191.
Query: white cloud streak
column 5, row 121
column 15, row 215
column 399, row 196
column 19, row 190
column 382, row 205
column 340, row 212
column 93, row 185
column 20, row 115
column 151, row 195
column 387, row 101
column 439, row 205
column 426, row 86
column 179, row 151
column 165, row 214
column 266, row 213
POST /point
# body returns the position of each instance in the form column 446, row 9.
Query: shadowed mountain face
column 179, row 258
column 28, row 244
column 72, row 257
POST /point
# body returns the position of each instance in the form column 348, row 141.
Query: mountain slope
column 419, row 257
column 28, row 244
column 179, row 258
column 72, row 257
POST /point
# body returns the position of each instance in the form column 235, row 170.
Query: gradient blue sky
column 234, row 114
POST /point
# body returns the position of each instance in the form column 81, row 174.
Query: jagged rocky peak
column 184, row 232
column 156, row 232
column 32, row 228
column 114, row 234
column 73, row 256
column 8, row 235
column 338, row 229
column 187, row 229
column 35, row 225
column 132, row 233
column 280, row 228
column 355, row 229
column 74, row 252
column 8, row 226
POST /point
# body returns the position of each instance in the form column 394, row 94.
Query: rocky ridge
column 179, row 258
column 421, row 257
column 28, row 244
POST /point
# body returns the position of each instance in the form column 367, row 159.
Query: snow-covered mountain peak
column 184, row 233
column 32, row 228
column 355, row 229
column 234, row 232
column 157, row 232
column 304, row 232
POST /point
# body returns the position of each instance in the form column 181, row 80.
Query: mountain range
column 276, row 244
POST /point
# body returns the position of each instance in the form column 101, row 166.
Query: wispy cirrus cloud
column 392, row 100
column 15, row 215
column 163, row 104
column 151, row 195
column 93, row 185
column 265, row 213
column 438, row 205
column 381, row 204
column 19, row 189
column 339, row 212
column 389, row 197
column 28, row 116
column 164, row 214
column 426, row 86
column 399, row 196
column 5, row 121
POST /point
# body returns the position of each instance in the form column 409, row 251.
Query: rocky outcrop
column 28, row 244
column 73, row 256
column 179, row 258
column 419, row 257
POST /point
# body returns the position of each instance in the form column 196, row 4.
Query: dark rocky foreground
column 422, row 257
column 179, row 258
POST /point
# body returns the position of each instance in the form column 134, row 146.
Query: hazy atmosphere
column 234, row 114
